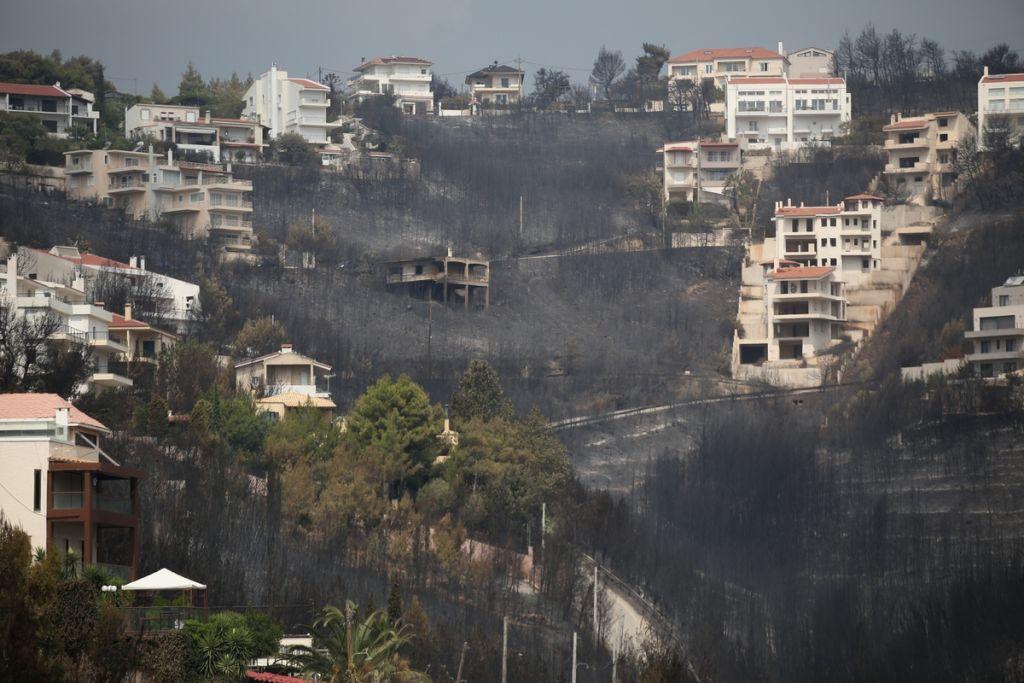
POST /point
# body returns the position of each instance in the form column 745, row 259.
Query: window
column 504, row 83
column 832, row 222
column 195, row 197
column 943, row 137
column 1004, row 322
column 908, row 162
column 752, row 125
column 865, row 263
column 37, row 490
column 986, row 346
column 824, row 242
column 1009, row 367
column 144, row 115
column 50, row 126
column 832, row 242
column 1010, row 344
column 943, row 158
column 423, row 72
column 764, row 66
column 708, row 68
column 943, row 123
column 1004, row 300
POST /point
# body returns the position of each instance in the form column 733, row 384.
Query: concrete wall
column 18, row 459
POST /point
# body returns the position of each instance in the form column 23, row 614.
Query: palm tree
column 346, row 652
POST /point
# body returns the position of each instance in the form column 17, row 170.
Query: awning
column 163, row 580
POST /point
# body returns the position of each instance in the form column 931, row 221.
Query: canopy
column 163, row 580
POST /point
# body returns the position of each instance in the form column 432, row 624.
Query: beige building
column 1001, row 104
column 496, row 86
column 202, row 200
column 407, row 78
column 698, row 170
column 922, row 153
column 215, row 138
column 444, row 278
column 284, row 372
column 998, row 332
column 60, row 487
column 59, row 110
column 719, row 64
column 811, row 62
column 144, row 342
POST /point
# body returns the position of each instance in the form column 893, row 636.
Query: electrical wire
column 16, row 500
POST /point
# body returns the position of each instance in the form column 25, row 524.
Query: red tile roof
column 120, row 322
column 1003, row 78
column 32, row 90
column 88, row 260
column 306, row 83
column 907, row 124
column 381, row 61
column 43, row 407
column 709, row 54
column 806, row 210
column 273, row 678
column 719, row 144
column 803, row 273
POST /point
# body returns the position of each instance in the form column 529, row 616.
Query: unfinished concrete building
column 444, row 278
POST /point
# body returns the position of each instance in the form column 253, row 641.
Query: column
column 87, row 518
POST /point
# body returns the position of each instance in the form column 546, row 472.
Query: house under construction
column 444, row 278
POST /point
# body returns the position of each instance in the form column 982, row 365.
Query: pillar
column 87, row 518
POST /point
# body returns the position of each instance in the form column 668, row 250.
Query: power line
column 16, row 500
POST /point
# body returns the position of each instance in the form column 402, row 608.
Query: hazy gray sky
column 152, row 41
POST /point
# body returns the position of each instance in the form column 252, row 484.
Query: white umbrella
column 163, row 580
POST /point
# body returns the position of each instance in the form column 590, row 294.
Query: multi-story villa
column 998, row 332
column 57, row 109
column 145, row 342
column 846, row 237
column 719, row 64
column 782, row 113
column 212, row 137
column 202, row 200
column 283, row 372
column 165, row 298
column 446, row 278
column 922, row 153
column 75, row 320
column 407, row 78
column 1000, row 104
column 803, row 315
column 698, row 169
column 290, row 105
column 496, row 85
column 62, row 489
column 811, row 62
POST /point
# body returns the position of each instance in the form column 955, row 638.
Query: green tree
column 259, row 336
column 192, row 88
column 394, row 418
column 480, row 395
column 220, row 647
column 157, row 95
column 292, row 149
column 185, row 372
column 214, row 315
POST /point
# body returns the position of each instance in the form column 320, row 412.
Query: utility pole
column 520, row 217
column 595, row 602
column 504, row 651
column 462, row 659
column 574, row 657
column 543, row 524
column 313, row 221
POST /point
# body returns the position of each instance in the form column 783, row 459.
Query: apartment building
column 496, row 85
column 719, row 64
column 997, row 334
column 1001, row 105
column 60, row 487
column 212, row 138
column 698, row 169
column 785, row 114
column 846, row 237
column 290, row 105
column 922, row 153
column 407, row 78
column 202, row 200
column 56, row 108
column 163, row 297
column 811, row 62
column 804, row 309
column 75, row 322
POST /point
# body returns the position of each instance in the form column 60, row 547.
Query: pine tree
column 395, row 608
column 480, row 395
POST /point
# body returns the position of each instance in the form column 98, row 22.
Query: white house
column 407, row 78
column 290, row 105
column 998, row 332
column 922, row 153
column 1000, row 101
column 811, row 62
column 782, row 113
column 79, row 322
column 698, row 167
column 56, row 108
column 175, row 299
column 846, row 237
column 58, row 485
column 191, row 130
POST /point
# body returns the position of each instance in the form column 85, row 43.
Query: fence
column 293, row 618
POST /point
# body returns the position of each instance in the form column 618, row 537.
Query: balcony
column 81, row 168
column 133, row 185
column 240, row 226
column 993, row 333
column 829, row 108
column 919, row 142
column 37, row 108
column 731, row 163
column 919, row 167
column 109, row 380
column 230, row 204
column 309, row 102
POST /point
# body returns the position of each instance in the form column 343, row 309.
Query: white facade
column 290, row 105
column 57, row 109
column 811, row 62
column 66, row 265
column 697, row 166
column 283, row 372
column 847, row 236
column 80, row 322
column 193, row 131
column 407, row 78
column 922, row 152
column 1001, row 101
column 785, row 114
column 496, row 85
column 998, row 332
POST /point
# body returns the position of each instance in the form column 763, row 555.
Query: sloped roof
column 907, row 124
column 163, row 580
column 710, row 54
column 865, row 195
column 120, row 322
column 87, row 259
column 32, row 90
column 382, row 61
column 44, row 407
column 298, row 357
column 495, row 69
column 1002, row 78
column 803, row 273
column 307, row 83
column 293, row 399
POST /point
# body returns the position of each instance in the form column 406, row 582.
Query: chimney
column 12, row 276
column 892, row 118
column 449, row 252
column 142, row 262
column 127, row 311
column 133, row 261
column 207, row 116
column 56, row 84
column 985, row 71
column 781, row 48
column 286, row 348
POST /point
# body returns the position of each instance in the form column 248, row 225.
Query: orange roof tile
column 32, row 90
column 710, row 54
column 43, row 407
column 803, row 273
column 119, row 322
column 1003, row 78
column 306, row 83
column 907, row 124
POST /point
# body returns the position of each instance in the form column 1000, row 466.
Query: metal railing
column 68, row 500
column 293, row 618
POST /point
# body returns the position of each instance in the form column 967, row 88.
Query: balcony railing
column 38, row 109
column 103, row 501
column 68, row 500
